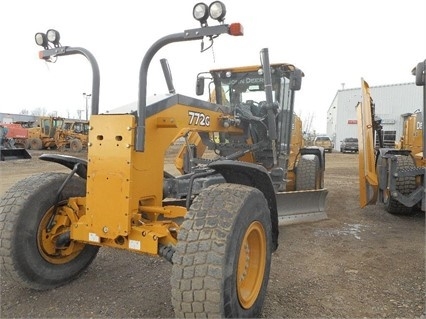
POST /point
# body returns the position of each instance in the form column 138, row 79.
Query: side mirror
column 419, row 72
column 167, row 75
column 296, row 80
column 199, row 89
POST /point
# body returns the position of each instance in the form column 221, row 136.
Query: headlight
column 200, row 12
column 53, row 37
column 217, row 11
column 41, row 39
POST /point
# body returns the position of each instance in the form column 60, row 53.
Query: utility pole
column 87, row 97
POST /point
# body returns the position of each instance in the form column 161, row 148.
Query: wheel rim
column 75, row 146
column 46, row 240
column 251, row 265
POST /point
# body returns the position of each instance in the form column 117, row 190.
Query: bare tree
column 307, row 123
column 40, row 111
column 24, row 112
column 308, row 135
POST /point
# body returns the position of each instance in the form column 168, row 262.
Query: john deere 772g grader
column 217, row 222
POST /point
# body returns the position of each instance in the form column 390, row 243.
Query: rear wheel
column 31, row 254
column 222, row 261
column 404, row 185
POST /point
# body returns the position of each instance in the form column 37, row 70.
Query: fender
column 386, row 152
column 67, row 161
column 251, row 175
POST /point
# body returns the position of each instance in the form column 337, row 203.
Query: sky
column 334, row 42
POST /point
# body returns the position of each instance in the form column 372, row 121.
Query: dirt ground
column 358, row 263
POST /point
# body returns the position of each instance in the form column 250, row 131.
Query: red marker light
column 236, row 29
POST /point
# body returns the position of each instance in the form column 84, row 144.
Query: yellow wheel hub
column 251, row 265
column 46, row 240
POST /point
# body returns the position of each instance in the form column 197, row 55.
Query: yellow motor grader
column 392, row 176
column 42, row 134
column 73, row 135
column 412, row 135
column 217, row 222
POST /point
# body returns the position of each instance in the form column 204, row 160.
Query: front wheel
column 30, row 253
column 222, row 261
column 36, row 144
column 76, row 145
column 308, row 173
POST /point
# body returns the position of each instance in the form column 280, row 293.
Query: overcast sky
column 332, row 41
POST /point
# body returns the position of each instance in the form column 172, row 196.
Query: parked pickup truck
column 349, row 144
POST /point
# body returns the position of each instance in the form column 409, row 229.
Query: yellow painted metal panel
column 368, row 183
column 109, row 197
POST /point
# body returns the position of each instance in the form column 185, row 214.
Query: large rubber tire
column 27, row 144
column 36, row 144
column 404, row 185
column 27, row 251
column 223, row 257
column 76, row 145
column 308, row 173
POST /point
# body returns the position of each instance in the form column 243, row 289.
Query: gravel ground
column 358, row 263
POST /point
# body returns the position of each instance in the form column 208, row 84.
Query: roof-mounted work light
column 217, row 11
column 201, row 12
column 53, row 37
column 41, row 40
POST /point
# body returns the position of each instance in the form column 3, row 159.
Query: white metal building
column 13, row 118
column 391, row 102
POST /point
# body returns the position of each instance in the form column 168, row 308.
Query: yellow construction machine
column 297, row 172
column 412, row 135
column 392, row 176
column 217, row 222
column 73, row 135
column 42, row 134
